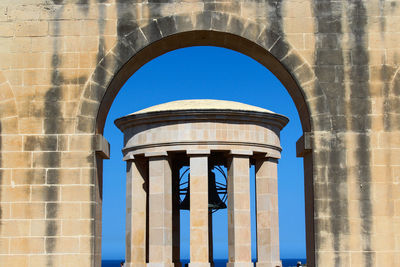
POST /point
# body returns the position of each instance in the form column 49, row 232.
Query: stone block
column 25, row 245
column 63, row 211
column 219, row 21
column 87, row 210
column 76, row 193
column 136, row 39
column 299, row 25
column 40, row 143
column 16, row 193
column 203, row 20
column 11, row 143
column 69, row 260
column 31, row 28
column 4, row 245
column 76, row 159
column 292, row 61
column 27, row 210
column 65, row 244
column 14, row 260
column 167, row 25
column 45, row 193
column 8, row 108
column 63, row 176
column 15, row 228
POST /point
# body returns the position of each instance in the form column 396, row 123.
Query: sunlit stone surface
column 62, row 62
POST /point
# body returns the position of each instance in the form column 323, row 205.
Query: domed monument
column 201, row 135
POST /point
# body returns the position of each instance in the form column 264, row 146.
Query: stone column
column 160, row 211
column 199, row 247
column 239, row 231
column 267, row 213
column 136, row 216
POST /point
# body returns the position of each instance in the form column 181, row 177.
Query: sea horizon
column 287, row 262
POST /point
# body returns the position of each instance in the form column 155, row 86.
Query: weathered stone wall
column 63, row 61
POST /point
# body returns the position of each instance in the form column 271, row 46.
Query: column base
column 269, row 264
column 160, row 264
column 199, row 264
column 239, row 264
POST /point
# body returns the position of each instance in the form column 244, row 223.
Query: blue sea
column 218, row 263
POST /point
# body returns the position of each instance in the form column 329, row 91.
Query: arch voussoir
column 184, row 23
column 236, row 25
column 101, row 75
column 253, row 31
column 123, row 50
column 167, row 25
column 94, row 91
column 151, row 31
column 304, row 74
column 136, row 39
column 292, row 60
column 280, row 48
column 219, row 21
column 202, row 20
column 267, row 38
column 111, row 63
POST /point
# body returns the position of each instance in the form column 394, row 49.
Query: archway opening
column 258, row 87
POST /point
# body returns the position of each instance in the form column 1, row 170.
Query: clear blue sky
column 206, row 73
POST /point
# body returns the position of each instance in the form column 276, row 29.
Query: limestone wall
column 338, row 59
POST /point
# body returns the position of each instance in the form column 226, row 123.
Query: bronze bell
column 214, row 201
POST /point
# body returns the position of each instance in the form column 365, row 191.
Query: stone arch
column 251, row 38
column 165, row 34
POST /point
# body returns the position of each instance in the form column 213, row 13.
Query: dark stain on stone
column 83, row 6
column 51, row 125
column 387, row 122
column 41, row 143
column 330, row 76
column 275, row 16
column 395, row 103
column 382, row 22
column 126, row 19
column 357, row 15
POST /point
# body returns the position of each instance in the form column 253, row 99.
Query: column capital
column 266, row 158
column 128, row 157
column 241, row 153
column 158, row 154
column 198, row 152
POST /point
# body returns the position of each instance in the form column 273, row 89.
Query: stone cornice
column 183, row 116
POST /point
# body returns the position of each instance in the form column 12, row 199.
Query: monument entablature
column 212, row 125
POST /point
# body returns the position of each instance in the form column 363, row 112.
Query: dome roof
column 202, row 104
